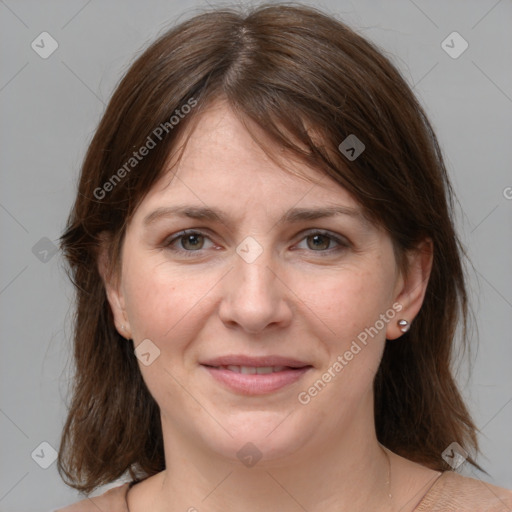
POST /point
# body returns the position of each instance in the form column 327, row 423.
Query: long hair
column 309, row 81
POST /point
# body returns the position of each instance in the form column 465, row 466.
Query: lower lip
column 256, row 384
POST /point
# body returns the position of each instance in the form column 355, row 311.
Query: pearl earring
column 404, row 325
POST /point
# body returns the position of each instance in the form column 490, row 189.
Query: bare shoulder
column 454, row 492
column 114, row 500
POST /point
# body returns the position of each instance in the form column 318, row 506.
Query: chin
column 268, row 436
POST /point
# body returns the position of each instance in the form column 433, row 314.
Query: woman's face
column 270, row 317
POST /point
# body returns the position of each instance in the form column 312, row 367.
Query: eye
column 322, row 241
column 187, row 241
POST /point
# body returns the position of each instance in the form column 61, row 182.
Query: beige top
column 451, row 492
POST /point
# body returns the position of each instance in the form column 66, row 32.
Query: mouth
column 254, row 370
column 255, row 376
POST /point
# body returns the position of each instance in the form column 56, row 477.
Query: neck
column 350, row 473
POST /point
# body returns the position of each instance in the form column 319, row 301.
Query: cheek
column 162, row 302
column 356, row 306
column 149, row 304
column 353, row 346
column 164, row 305
column 349, row 301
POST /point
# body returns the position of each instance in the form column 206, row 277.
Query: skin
column 297, row 299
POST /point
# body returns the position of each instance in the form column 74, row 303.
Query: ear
column 412, row 285
column 113, row 289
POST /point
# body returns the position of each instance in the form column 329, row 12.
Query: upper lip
column 257, row 361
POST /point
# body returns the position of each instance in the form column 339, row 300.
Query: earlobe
column 412, row 288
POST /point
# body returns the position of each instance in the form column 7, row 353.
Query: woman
column 268, row 282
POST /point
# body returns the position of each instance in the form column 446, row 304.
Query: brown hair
column 289, row 69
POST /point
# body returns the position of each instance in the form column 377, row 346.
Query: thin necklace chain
column 388, row 483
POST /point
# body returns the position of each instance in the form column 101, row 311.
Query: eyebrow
column 291, row 216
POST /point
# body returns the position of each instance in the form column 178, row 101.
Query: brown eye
column 192, row 241
column 324, row 242
column 187, row 242
column 320, row 242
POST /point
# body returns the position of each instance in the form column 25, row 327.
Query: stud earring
column 404, row 325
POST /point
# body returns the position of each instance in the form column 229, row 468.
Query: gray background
column 49, row 109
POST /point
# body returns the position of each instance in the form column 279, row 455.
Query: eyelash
column 342, row 244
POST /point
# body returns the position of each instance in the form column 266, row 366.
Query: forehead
column 219, row 161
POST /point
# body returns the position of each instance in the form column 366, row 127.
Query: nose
column 255, row 296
